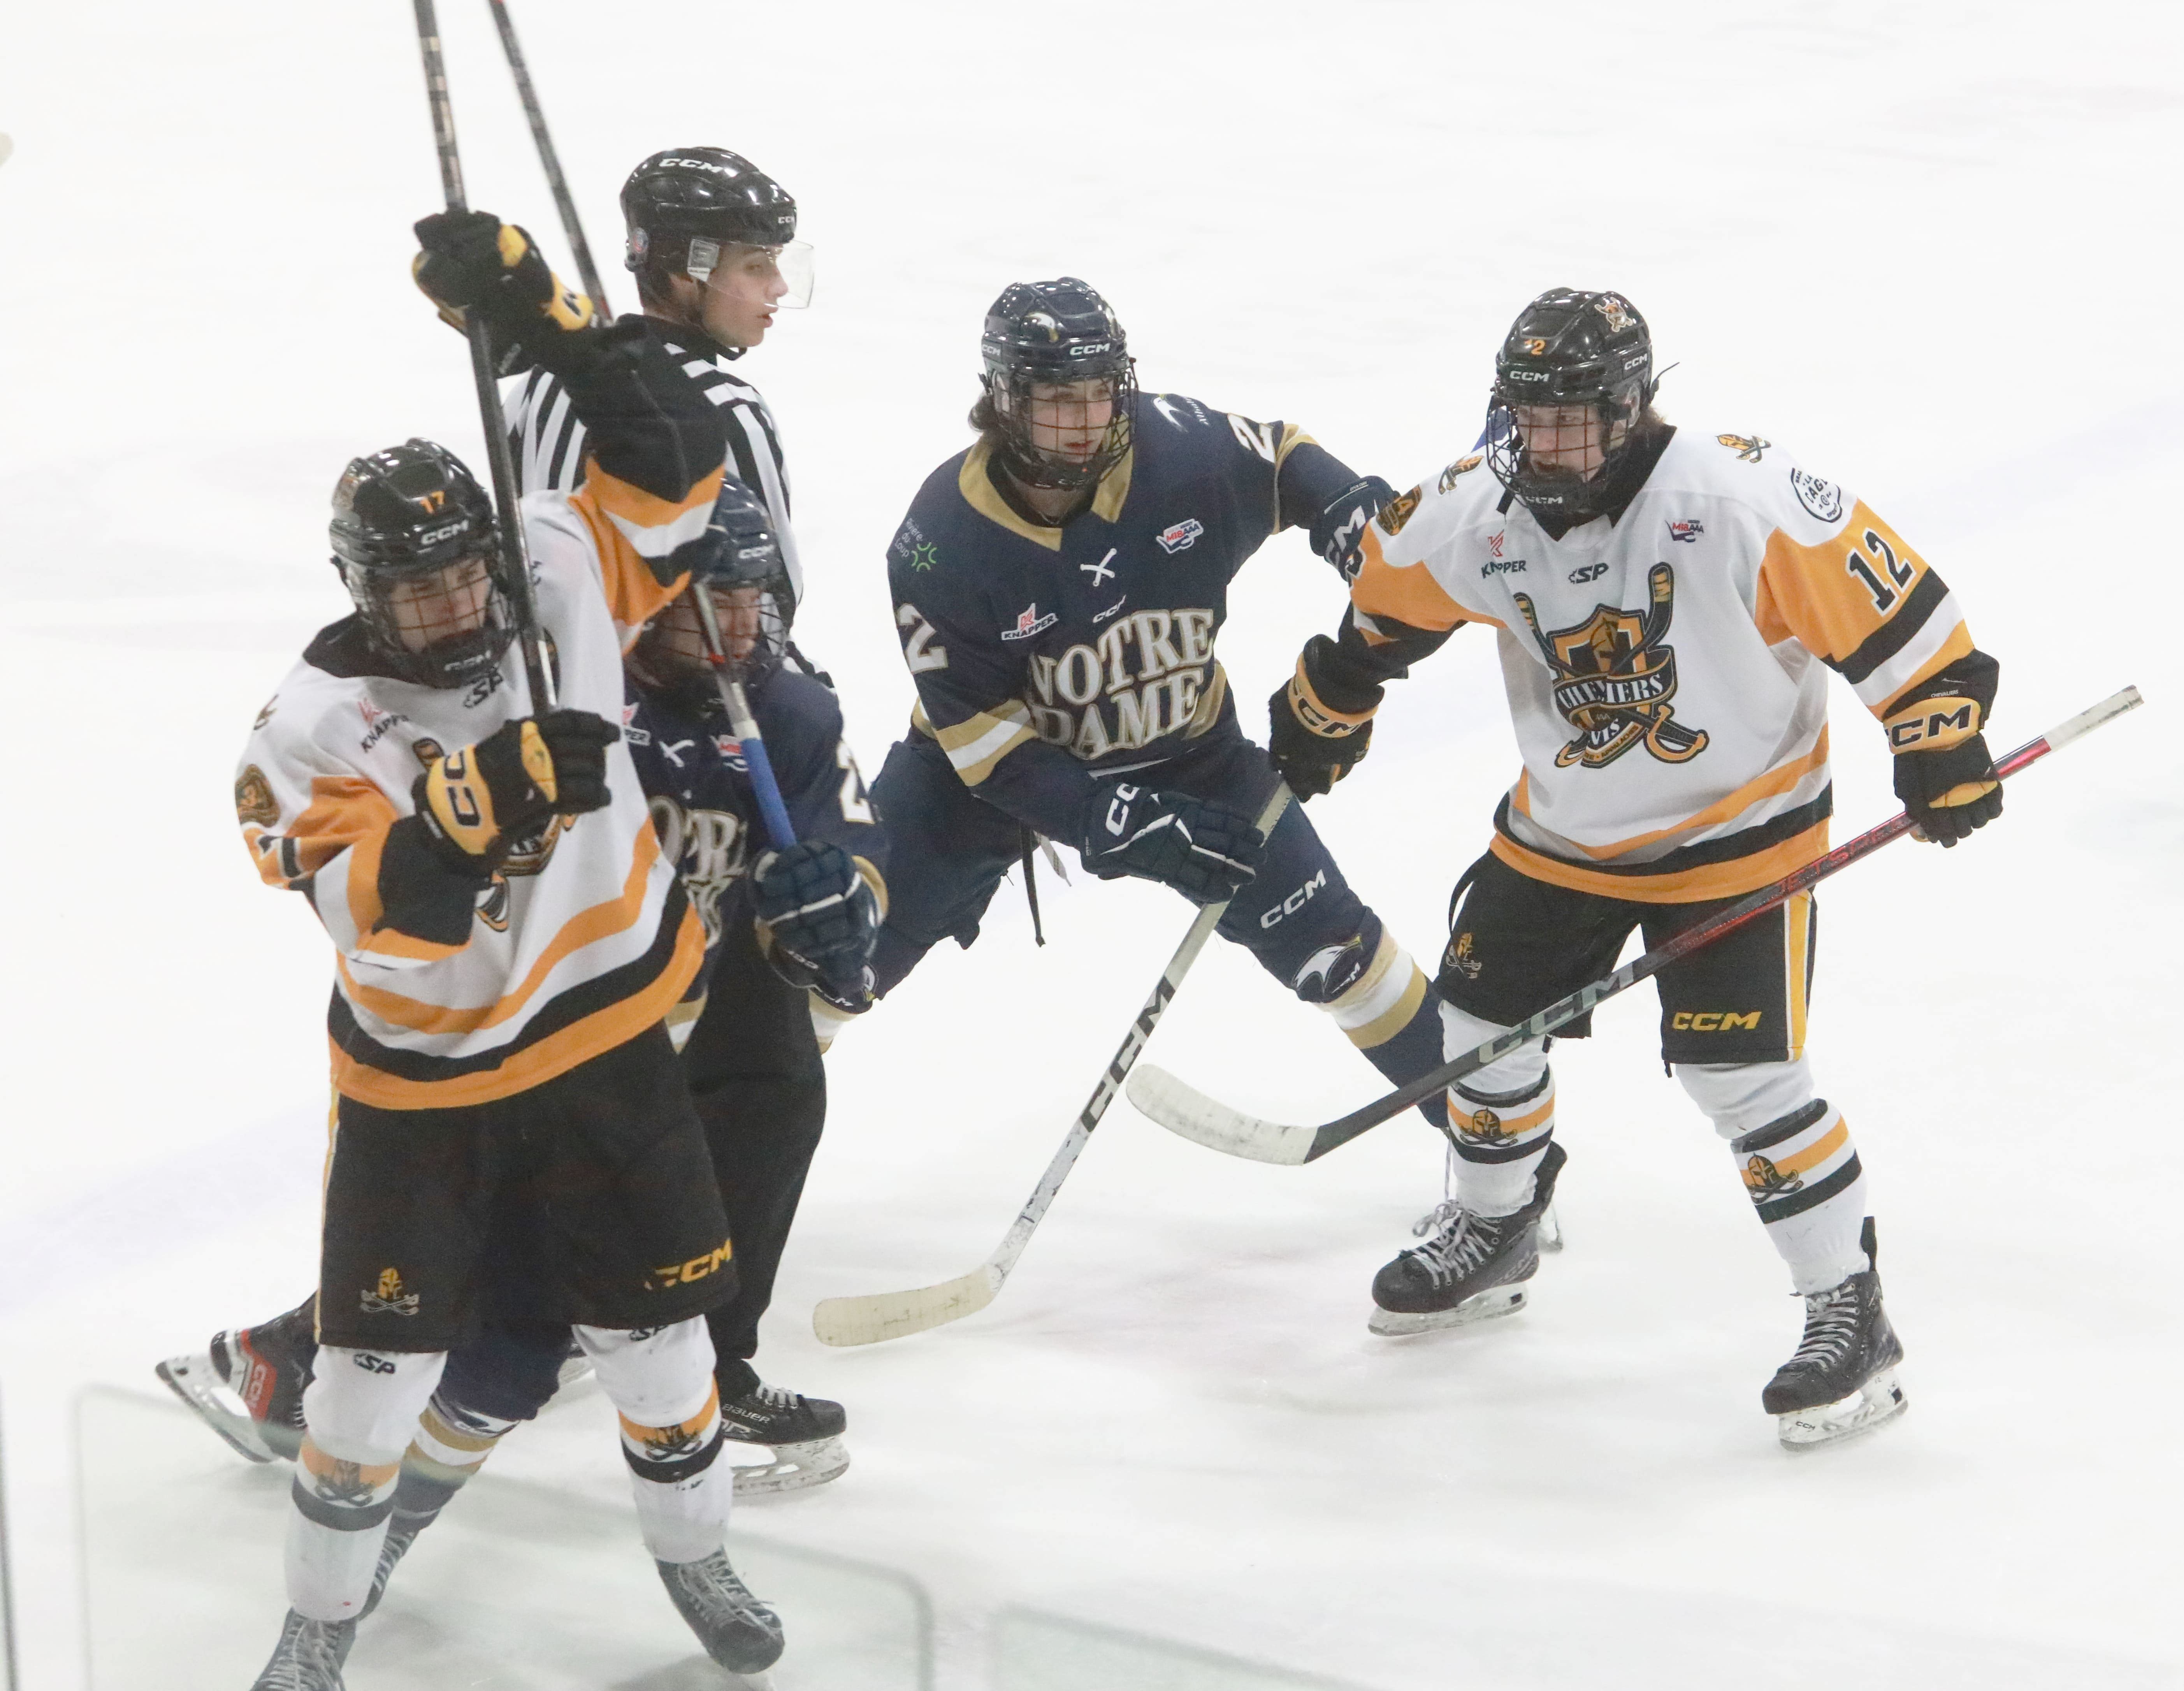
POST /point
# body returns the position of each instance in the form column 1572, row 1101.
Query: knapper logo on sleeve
column 1030, row 622
column 1614, row 679
column 1180, row 535
column 390, row 1299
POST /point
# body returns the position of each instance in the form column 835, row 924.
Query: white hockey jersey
column 584, row 937
column 1667, row 671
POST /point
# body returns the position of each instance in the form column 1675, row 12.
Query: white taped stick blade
column 1182, row 1108
column 897, row 1314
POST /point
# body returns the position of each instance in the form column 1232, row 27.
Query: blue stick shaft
column 771, row 810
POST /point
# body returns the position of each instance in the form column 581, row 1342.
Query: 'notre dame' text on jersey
column 1044, row 656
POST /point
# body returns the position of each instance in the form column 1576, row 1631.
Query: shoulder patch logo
column 1177, row 536
column 1615, row 680
column 1462, row 467
column 1748, row 447
column 253, row 798
column 1823, row 499
column 1030, row 622
column 1689, row 531
column 1397, row 512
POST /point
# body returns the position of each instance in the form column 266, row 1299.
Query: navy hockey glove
column 818, row 919
column 473, row 261
column 1204, row 849
column 1943, row 774
column 478, row 802
column 1313, row 746
column 1340, row 528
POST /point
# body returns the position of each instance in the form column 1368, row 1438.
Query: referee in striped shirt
column 712, row 240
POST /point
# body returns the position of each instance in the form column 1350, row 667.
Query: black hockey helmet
column 410, row 518
column 680, row 207
column 742, row 568
column 1569, row 348
column 1054, row 332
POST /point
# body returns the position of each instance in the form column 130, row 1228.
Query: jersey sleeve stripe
column 1944, row 639
column 979, row 742
column 1405, row 593
column 1926, row 598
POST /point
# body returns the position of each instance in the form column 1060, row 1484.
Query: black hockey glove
column 1949, row 790
column 1340, row 528
column 1313, row 746
column 473, row 260
column 1201, row 847
column 478, row 802
column 818, row 919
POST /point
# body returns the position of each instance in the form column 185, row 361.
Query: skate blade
column 1550, row 1235
column 795, row 1468
column 1484, row 1306
column 1874, row 1405
column 197, row 1382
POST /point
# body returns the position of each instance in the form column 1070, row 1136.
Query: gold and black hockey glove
column 473, row 261
column 1943, row 774
column 1312, row 744
column 478, row 801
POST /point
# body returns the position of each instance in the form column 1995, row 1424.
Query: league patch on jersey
column 1462, row 466
column 1823, row 499
column 1747, row 447
column 1689, row 531
column 1179, row 535
column 1615, row 681
column 1397, row 512
column 1030, row 622
column 253, row 798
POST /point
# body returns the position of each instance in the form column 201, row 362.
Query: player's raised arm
column 656, row 442
column 1846, row 586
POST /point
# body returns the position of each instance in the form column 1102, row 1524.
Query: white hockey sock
column 661, row 1381
column 1799, row 1166
column 1503, row 1115
column 335, row 1530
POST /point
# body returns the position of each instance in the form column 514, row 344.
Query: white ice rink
column 1930, row 248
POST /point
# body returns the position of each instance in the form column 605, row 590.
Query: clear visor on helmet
column 789, row 267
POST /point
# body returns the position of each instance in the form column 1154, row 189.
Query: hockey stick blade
column 897, row 1314
column 1184, row 1110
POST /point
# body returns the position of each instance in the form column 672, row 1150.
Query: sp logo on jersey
column 1615, row 681
column 1179, row 535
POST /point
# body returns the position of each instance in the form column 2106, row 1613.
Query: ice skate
column 309, row 1657
column 1473, row 1269
column 739, row 1632
column 805, row 1434
column 1841, row 1381
column 247, row 1386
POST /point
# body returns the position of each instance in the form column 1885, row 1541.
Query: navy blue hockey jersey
column 1045, row 656
column 706, row 815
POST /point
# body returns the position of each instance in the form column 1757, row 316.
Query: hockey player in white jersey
column 509, row 938
column 1667, row 606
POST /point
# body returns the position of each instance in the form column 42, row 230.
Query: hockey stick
column 515, row 559
column 1183, row 1109
column 763, row 787
column 551, row 161
column 895, row 1314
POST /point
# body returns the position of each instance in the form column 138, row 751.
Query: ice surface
column 1930, row 248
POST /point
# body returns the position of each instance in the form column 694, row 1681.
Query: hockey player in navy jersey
column 1058, row 590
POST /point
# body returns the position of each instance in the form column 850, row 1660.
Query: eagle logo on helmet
column 1397, row 512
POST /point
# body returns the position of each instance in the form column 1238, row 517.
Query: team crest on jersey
column 1615, row 681
column 1747, row 447
column 389, row 1298
column 1460, row 468
column 253, row 798
column 1823, row 499
column 1397, row 512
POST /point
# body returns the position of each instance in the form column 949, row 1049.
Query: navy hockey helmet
column 1568, row 348
column 1054, row 334
column 741, row 568
column 417, row 546
column 683, row 206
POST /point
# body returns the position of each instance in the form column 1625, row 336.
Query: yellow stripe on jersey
column 1776, row 781
column 630, row 528
column 343, row 810
column 1404, row 593
column 599, row 922
column 980, row 741
column 979, row 492
column 1731, row 880
column 535, row 1064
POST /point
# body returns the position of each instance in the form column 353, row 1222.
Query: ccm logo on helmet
column 1090, row 349
column 433, row 537
column 699, row 165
